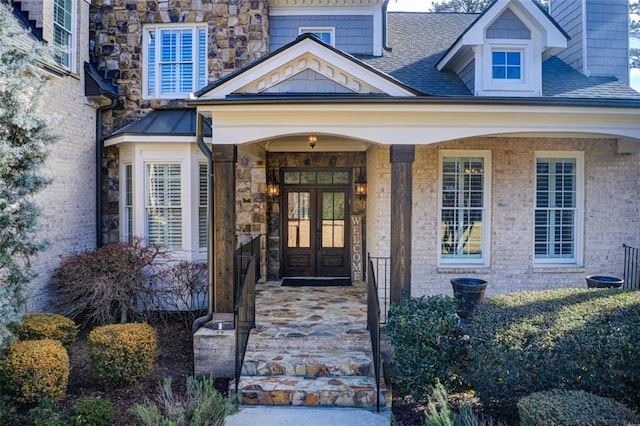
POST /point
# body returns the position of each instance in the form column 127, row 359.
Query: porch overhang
column 417, row 121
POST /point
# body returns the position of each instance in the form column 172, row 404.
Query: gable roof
column 306, row 47
column 419, row 40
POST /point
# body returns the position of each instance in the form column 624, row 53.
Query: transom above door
column 315, row 227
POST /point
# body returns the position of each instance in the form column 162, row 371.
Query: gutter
column 385, row 46
column 99, row 147
column 211, row 232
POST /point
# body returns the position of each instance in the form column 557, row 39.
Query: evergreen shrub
column 123, row 353
column 571, row 339
column 47, row 326
column 573, row 408
column 428, row 342
column 93, row 411
column 34, row 370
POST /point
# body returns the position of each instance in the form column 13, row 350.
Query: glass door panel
column 333, row 219
column 298, row 220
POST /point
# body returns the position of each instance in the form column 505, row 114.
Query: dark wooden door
column 315, row 232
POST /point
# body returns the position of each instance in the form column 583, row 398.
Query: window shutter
column 202, row 58
column 151, row 64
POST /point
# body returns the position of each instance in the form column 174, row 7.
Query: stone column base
column 214, row 347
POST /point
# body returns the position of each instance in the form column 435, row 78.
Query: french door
column 315, row 232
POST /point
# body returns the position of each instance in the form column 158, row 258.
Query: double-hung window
column 63, row 35
column 175, row 60
column 465, row 182
column 163, row 209
column 558, row 211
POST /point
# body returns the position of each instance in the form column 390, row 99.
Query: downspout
column 211, row 228
column 385, row 46
column 99, row 147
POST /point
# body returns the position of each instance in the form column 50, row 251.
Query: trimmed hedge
column 47, row 326
column 93, row 411
column 573, row 408
column 123, row 353
column 428, row 342
column 34, row 370
column 573, row 339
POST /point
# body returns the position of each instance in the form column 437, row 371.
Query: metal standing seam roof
column 176, row 122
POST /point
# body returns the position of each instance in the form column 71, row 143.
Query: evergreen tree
column 24, row 138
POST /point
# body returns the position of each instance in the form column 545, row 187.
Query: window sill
column 471, row 269
column 557, row 269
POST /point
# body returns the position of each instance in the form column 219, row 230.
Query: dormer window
column 63, row 34
column 326, row 34
column 506, row 65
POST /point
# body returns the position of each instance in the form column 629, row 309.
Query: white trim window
column 163, row 204
column 326, row 34
column 175, row 60
column 203, row 197
column 558, row 212
column 464, row 210
column 63, row 32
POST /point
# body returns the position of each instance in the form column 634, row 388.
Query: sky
column 425, row 5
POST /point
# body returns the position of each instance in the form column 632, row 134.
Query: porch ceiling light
column 273, row 188
column 361, row 186
column 313, row 139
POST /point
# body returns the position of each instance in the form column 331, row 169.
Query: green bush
column 7, row 411
column 427, row 340
column 47, row 326
column 572, row 339
column 93, row 411
column 572, row 408
column 123, row 353
column 202, row 405
column 35, row 369
column 47, row 413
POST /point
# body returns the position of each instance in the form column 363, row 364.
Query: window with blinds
column 63, row 32
column 464, row 203
column 557, row 212
column 176, row 60
column 202, row 204
column 163, row 209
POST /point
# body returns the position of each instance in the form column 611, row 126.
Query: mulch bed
column 176, row 361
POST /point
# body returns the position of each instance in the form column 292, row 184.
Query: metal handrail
column 631, row 267
column 373, row 324
column 381, row 268
column 246, row 274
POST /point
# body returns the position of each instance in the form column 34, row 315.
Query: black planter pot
column 603, row 281
column 468, row 293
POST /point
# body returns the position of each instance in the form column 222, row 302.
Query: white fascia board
column 415, row 124
column 307, row 46
column 120, row 139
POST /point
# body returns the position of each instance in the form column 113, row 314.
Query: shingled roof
column 419, row 40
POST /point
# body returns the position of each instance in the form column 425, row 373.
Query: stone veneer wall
column 238, row 34
column 277, row 160
column 611, row 215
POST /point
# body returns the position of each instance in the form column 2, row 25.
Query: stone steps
column 356, row 340
column 307, row 364
column 343, row 391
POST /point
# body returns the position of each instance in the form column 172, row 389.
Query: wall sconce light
column 361, row 186
column 273, row 188
column 313, row 139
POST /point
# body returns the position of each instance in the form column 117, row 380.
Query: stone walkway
column 310, row 347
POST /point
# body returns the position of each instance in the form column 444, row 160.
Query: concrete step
column 343, row 391
column 302, row 363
